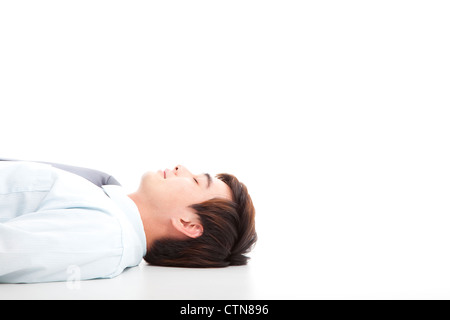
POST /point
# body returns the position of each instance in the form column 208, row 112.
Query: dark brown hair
column 228, row 233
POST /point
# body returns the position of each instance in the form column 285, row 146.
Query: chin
column 147, row 174
column 147, row 177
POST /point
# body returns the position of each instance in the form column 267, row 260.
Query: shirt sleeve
column 47, row 245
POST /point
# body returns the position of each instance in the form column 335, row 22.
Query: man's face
column 175, row 189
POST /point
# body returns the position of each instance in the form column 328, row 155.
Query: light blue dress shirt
column 52, row 221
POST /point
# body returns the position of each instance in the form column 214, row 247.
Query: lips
column 162, row 173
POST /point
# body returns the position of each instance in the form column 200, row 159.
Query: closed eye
column 196, row 181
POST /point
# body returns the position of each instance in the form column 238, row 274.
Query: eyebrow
column 208, row 177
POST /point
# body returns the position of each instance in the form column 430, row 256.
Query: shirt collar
column 117, row 194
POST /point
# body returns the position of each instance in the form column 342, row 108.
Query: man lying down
column 54, row 217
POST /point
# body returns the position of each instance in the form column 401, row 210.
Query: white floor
column 144, row 282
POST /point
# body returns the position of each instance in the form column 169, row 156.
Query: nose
column 178, row 169
column 181, row 170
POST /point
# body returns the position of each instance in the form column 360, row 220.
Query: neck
column 153, row 227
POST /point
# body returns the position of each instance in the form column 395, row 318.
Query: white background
column 335, row 114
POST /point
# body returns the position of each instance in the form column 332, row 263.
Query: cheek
column 184, row 194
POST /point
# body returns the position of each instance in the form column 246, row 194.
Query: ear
column 192, row 229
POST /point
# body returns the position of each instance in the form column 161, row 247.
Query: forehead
column 219, row 188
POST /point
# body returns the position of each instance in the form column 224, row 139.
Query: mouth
column 162, row 173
